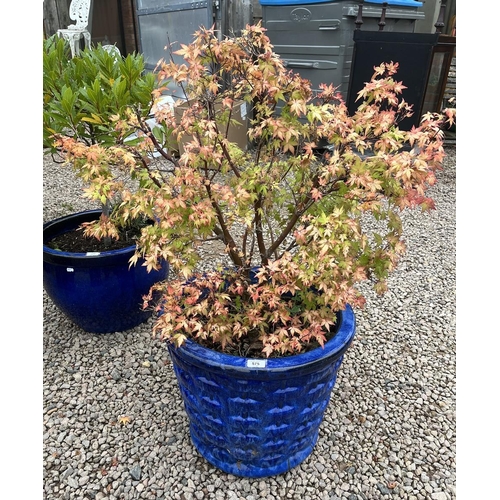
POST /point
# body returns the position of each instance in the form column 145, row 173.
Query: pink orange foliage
column 291, row 219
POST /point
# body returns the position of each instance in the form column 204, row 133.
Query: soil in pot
column 76, row 242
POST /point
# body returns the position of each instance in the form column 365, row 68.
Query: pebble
column 388, row 432
column 136, row 472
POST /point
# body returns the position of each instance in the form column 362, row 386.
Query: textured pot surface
column 98, row 292
column 258, row 417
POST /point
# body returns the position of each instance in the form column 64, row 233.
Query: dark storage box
column 316, row 39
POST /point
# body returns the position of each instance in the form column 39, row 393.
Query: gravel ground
column 389, row 431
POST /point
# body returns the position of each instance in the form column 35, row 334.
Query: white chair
column 113, row 50
column 78, row 11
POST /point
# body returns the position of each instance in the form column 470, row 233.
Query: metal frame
column 208, row 5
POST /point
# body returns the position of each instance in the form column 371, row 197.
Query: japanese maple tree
column 289, row 209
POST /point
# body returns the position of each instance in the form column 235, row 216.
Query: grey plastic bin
column 315, row 39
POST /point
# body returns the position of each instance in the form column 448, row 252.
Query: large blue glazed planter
column 99, row 292
column 258, row 417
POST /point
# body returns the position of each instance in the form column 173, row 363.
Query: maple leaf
column 124, row 420
column 183, row 50
column 316, row 194
column 298, row 107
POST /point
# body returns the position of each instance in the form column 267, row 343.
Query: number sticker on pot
column 256, row 363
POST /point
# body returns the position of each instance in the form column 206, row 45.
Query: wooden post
column 55, row 16
column 257, row 11
column 128, row 24
column 240, row 13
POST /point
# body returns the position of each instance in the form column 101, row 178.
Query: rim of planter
column 203, row 356
column 51, row 230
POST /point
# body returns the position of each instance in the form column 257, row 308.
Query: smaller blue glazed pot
column 100, row 292
column 258, row 417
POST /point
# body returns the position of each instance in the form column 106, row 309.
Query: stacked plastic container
column 315, row 38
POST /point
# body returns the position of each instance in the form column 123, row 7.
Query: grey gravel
column 389, row 431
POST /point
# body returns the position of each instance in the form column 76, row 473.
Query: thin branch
column 228, row 239
column 146, row 129
column 271, row 233
column 264, row 255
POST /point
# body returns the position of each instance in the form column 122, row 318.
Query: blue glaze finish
column 99, row 293
column 258, row 422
